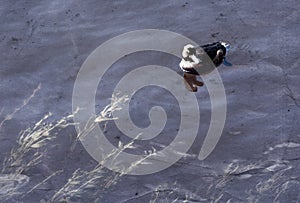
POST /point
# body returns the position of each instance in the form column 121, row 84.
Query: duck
column 191, row 61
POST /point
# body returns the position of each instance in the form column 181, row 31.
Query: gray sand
column 44, row 43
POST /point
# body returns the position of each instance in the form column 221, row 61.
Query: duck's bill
column 226, row 63
column 226, row 45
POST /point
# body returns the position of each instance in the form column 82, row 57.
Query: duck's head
column 225, row 45
column 188, row 50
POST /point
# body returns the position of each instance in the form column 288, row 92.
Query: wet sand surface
column 43, row 45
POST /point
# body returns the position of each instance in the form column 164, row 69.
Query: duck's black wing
column 212, row 51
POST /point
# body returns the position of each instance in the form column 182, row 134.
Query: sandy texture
column 44, row 43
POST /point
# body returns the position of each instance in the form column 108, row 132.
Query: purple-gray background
column 257, row 158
